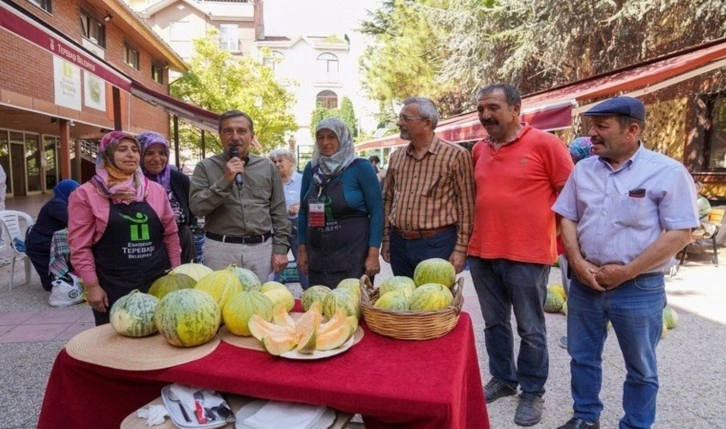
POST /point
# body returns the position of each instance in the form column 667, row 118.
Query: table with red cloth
column 413, row 384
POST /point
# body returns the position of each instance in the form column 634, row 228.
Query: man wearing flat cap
column 625, row 213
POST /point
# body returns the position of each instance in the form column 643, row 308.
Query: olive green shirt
column 260, row 207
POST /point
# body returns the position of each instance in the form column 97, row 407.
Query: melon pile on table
column 428, row 290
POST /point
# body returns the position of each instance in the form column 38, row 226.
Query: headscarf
column 147, row 139
column 110, row 181
column 64, row 188
column 325, row 167
column 581, row 148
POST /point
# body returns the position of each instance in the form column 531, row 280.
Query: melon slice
column 281, row 317
column 334, row 338
column 277, row 344
column 260, row 328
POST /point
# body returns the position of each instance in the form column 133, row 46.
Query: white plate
column 178, row 418
column 320, row 354
column 324, row 422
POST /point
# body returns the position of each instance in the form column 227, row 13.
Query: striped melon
column 435, row 270
column 281, row 296
column 187, row 317
column 247, row 278
column 238, row 310
column 221, row 285
column 313, row 294
column 193, row 270
column 394, row 300
column 397, row 283
column 351, row 284
column 272, row 285
column 430, row 296
column 341, row 298
column 171, row 282
column 132, row 315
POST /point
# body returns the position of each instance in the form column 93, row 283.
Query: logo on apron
column 139, row 228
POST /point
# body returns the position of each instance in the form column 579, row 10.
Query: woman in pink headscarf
column 121, row 230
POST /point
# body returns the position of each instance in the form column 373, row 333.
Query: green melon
column 397, row 283
column 187, row 317
column 271, row 286
column 352, row 285
column 193, row 270
column 553, row 302
column 132, row 315
column 394, row 301
column 281, row 296
column 341, row 298
column 238, row 310
column 313, row 294
column 558, row 289
column 247, row 278
column 171, row 282
column 435, row 270
column 221, row 285
column 430, row 296
column 670, row 317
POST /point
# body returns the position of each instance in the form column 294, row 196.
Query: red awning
column 552, row 109
column 193, row 114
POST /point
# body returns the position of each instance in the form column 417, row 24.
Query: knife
column 199, row 407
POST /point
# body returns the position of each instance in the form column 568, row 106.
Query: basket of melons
column 422, row 308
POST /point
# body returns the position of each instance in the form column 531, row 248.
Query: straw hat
column 103, row 346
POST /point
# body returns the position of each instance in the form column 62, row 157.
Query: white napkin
column 285, row 415
column 186, row 395
column 154, row 415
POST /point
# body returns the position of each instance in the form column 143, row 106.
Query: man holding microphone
column 242, row 200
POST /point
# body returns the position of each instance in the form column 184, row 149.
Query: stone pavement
column 691, row 357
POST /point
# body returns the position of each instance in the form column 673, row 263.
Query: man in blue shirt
column 625, row 213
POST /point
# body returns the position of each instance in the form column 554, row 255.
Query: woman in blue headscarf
column 53, row 216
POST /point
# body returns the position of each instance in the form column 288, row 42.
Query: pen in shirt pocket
column 637, row 193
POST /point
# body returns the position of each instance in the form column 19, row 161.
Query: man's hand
column 96, row 296
column 234, row 166
column 279, row 262
column 611, row 276
column 386, row 252
column 458, row 260
column 585, row 272
column 292, row 211
column 302, row 259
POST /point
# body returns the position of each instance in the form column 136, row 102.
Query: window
column 328, row 67
column 131, row 56
column 157, row 73
column 273, row 59
column 716, row 134
column 228, row 37
column 43, row 4
column 327, row 99
column 93, row 30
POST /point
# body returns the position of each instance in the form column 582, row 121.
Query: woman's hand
column 293, row 209
column 96, row 296
column 302, row 259
column 372, row 264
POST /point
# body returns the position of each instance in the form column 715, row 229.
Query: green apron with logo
column 131, row 253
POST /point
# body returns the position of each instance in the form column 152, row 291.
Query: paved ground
column 691, row 357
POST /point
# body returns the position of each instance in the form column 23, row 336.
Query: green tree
column 219, row 82
column 345, row 112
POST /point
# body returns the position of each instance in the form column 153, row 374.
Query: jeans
column 406, row 254
column 502, row 285
column 635, row 309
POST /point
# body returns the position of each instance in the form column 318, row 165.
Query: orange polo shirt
column 516, row 186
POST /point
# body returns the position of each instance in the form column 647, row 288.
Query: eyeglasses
column 405, row 118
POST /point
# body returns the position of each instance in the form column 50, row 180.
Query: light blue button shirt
column 292, row 191
column 620, row 213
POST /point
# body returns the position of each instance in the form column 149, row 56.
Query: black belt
column 247, row 239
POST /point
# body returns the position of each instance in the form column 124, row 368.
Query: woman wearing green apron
column 340, row 223
column 121, row 231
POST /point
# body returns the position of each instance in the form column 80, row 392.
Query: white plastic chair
column 12, row 227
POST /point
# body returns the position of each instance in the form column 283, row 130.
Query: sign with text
column 94, row 91
column 67, row 84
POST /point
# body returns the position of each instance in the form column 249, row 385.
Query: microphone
column 234, row 153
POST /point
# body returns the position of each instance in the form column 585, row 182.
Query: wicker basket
column 410, row 325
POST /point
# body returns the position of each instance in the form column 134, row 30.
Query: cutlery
column 199, row 407
column 174, row 398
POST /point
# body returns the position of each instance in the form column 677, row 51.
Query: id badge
column 316, row 214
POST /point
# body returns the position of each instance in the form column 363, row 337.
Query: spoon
column 174, row 398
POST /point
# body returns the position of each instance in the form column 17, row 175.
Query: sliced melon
column 260, row 328
column 281, row 317
column 277, row 344
column 334, row 338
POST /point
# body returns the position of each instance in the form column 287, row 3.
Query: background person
column 625, row 213
column 241, row 216
column 52, row 217
column 155, row 165
column 428, row 194
column 122, row 234
column 518, row 171
column 341, row 217
column 284, row 160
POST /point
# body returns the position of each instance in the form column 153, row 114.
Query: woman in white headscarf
column 340, row 223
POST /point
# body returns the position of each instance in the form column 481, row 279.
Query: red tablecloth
column 414, row 384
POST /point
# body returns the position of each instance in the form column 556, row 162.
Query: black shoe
column 576, row 423
column 529, row 410
column 496, row 389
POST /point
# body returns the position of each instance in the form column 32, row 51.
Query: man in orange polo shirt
column 428, row 194
column 518, row 172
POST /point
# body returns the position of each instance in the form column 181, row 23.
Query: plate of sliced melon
column 306, row 336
